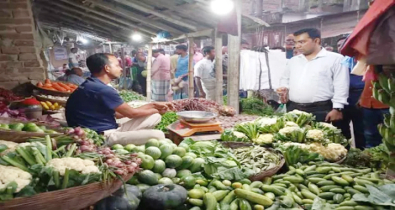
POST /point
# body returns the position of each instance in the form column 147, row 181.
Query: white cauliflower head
column 327, row 125
column 264, row 121
column 291, row 124
column 10, row 174
column 11, row 146
column 315, row 134
column 78, row 164
column 239, row 134
column 298, row 112
column 264, row 139
column 332, row 151
column 303, row 146
column 287, row 130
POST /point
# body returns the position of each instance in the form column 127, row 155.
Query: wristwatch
column 338, row 109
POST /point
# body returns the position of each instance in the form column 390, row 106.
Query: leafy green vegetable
column 255, row 106
column 321, row 204
column 299, row 117
column 380, row 157
column 128, row 96
column 167, row 119
column 294, row 154
column 383, row 195
column 234, row 136
column 250, row 129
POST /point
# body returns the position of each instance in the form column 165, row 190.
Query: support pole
column 218, row 68
column 125, row 84
column 234, row 62
column 109, row 44
column 149, row 66
column 190, row 69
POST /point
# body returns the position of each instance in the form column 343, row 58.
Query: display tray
column 259, row 176
column 68, row 199
column 22, row 136
column 49, row 92
column 36, row 95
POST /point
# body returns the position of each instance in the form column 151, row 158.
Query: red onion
column 119, row 172
column 109, row 161
column 109, row 155
column 131, row 169
column 85, row 148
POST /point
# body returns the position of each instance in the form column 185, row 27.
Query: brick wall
column 19, row 59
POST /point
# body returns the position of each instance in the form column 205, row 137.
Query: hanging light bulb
column 222, row 7
column 137, row 37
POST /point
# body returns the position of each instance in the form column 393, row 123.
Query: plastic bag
column 282, row 109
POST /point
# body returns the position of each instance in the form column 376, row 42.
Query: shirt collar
column 322, row 53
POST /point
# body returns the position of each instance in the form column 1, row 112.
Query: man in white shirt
column 205, row 74
column 315, row 81
column 73, row 58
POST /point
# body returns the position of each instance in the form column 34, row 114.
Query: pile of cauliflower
column 265, row 121
column 315, row 134
column 332, row 152
column 264, row 139
column 78, row 164
column 287, row 130
column 10, row 174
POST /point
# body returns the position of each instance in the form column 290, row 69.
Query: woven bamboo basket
column 263, row 174
column 74, row 198
column 22, row 136
column 49, row 92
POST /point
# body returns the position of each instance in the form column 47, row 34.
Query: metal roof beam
column 132, row 16
column 138, row 6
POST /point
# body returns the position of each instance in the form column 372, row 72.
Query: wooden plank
column 218, row 68
column 149, row 31
column 234, row 62
column 149, row 67
column 156, row 13
column 190, row 68
column 121, row 11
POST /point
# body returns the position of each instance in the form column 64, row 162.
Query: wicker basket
column 50, row 92
column 22, row 136
column 68, row 199
column 263, row 174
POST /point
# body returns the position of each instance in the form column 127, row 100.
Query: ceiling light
column 222, row 7
column 136, row 37
column 83, row 40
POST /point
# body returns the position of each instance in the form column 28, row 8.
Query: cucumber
column 227, row 183
column 301, row 187
column 270, row 195
column 195, row 208
column 237, row 185
column 280, row 185
column 363, row 182
column 219, row 185
column 296, row 198
column 361, row 188
column 300, row 172
column 315, row 180
column 340, row 181
column 280, row 176
column 353, row 191
column 363, row 207
column 307, row 201
column 347, row 195
column 294, row 179
column 267, row 180
column 246, row 187
column 326, row 195
column 338, row 198
column 245, row 181
column 244, row 205
column 234, row 205
column 317, row 176
column 322, row 183
column 256, row 184
column 307, row 194
column 220, row 194
column 253, row 197
column 212, row 189
column 345, row 208
column 209, row 201
column 327, row 188
column 323, row 170
column 228, row 198
column 310, row 168
column 313, row 188
column 348, row 178
column 257, row 190
column 258, row 207
column 348, row 203
column 274, row 189
column 196, row 202
column 337, row 190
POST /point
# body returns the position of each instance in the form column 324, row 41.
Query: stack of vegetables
column 57, row 86
column 27, row 127
column 41, row 166
column 129, row 96
column 383, row 90
column 295, row 128
column 49, row 106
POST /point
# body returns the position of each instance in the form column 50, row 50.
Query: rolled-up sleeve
column 341, row 83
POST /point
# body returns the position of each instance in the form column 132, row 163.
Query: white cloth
column 321, row 79
column 204, row 69
column 251, row 62
column 73, row 58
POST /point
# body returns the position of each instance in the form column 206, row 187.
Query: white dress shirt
column 320, row 79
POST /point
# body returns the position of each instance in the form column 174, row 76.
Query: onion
column 134, row 165
column 119, row 165
column 128, row 162
column 84, row 148
column 79, row 131
column 119, row 172
column 109, row 155
column 70, row 131
column 131, row 169
column 109, row 161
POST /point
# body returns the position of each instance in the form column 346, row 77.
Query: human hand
column 334, row 115
column 283, row 93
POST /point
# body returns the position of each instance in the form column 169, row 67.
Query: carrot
column 40, row 84
column 49, row 88
column 47, row 81
column 63, row 86
column 59, row 88
column 47, row 85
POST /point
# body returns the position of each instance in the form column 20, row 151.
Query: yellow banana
column 44, row 105
column 49, row 103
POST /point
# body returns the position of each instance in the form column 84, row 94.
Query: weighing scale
column 208, row 130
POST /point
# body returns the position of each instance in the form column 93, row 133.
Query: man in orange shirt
column 373, row 112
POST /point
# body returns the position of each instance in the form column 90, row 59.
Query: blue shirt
column 182, row 66
column 93, row 105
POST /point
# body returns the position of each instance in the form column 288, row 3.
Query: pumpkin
column 162, row 196
column 126, row 198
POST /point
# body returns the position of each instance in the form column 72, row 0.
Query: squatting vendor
column 95, row 105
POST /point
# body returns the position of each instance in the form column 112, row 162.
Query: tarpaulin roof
column 358, row 41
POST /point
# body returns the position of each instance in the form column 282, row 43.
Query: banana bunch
column 384, row 91
column 47, row 105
